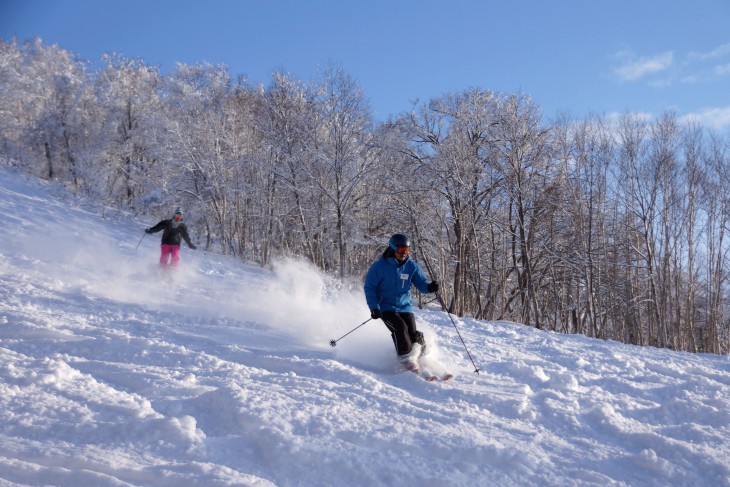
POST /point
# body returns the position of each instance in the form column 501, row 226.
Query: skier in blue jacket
column 388, row 294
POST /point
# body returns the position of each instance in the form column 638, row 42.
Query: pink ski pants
column 169, row 255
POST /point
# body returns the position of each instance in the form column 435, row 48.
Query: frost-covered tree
column 286, row 122
column 16, row 101
column 453, row 146
column 49, row 108
column 204, row 146
column 340, row 162
column 529, row 183
column 613, row 229
column 128, row 92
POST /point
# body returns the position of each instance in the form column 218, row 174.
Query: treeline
column 610, row 227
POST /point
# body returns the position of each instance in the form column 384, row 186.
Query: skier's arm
column 185, row 235
column 156, row 228
column 420, row 281
column 372, row 279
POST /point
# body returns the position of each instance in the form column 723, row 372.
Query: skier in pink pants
column 174, row 231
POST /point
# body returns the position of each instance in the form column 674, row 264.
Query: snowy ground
column 112, row 376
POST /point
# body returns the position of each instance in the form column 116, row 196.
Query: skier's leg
column 410, row 323
column 422, row 341
column 164, row 254
column 399, row 331
column 175, row 254
column 415, row 336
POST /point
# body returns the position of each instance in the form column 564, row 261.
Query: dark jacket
column 172, row 233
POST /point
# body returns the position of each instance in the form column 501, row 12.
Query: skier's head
column 400, row 246
column 399, row 240
column 178, row 214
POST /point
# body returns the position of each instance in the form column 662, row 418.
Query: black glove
column 375, row 314
column 147, row 230
column 433, row 287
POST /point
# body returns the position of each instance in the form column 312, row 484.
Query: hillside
column 113, row 375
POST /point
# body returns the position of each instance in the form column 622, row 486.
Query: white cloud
column 661, row 83
column 691, row 79
column 722, row 70
column 633, row 68
column 698, row 65
column 718, row 52
column 717, row 118
column 684, row 68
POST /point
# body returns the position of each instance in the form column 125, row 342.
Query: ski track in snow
column 110, row 375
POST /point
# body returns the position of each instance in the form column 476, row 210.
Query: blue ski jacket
column 388, row 284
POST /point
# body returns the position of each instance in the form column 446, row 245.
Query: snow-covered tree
column 128, row 92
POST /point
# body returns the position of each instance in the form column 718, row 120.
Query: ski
column 426, row 376
column 420, row 372
column 429, row 377
column 423, row 369
column 433, row 378
column 433, row 370
column 411, row 367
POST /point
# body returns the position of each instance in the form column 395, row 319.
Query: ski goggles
column 402, row 250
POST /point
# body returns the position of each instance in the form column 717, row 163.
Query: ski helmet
column 178, row 211
column 398, row 240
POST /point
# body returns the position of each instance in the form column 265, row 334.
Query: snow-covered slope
column 110, row 375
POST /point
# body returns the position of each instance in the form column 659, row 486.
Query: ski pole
column 333, row 343
column 140, row 240
column 476, row 369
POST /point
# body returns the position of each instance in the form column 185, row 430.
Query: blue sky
column 574, row 56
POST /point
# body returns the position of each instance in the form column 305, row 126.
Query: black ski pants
column 402, row 328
